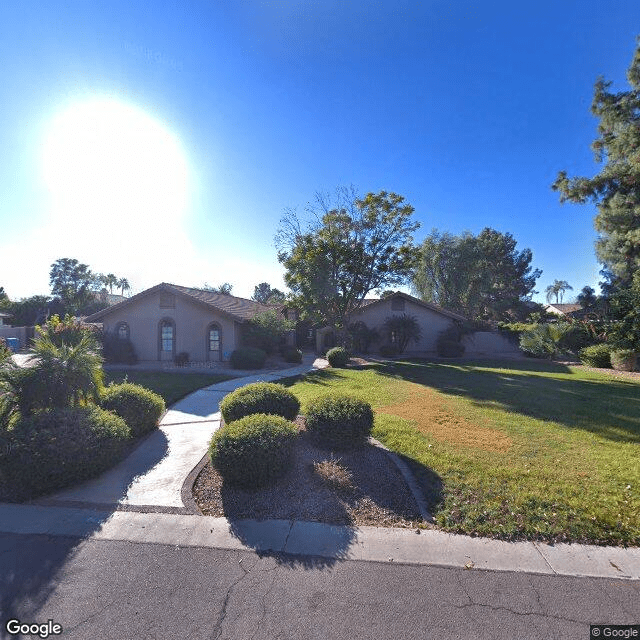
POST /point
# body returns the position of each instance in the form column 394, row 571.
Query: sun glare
column 114, row 172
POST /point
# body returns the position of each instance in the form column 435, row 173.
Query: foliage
column 5, row 352
column 338, row 357
column 580, row 334
column 74, row 283
column 140, row 408
column 248, row 358
column 259, row 397
column 291, row 354
column 254, row 450
column 354, row 246
column 623, row 359
column 400, row 330
column 61, row 376
column 624, row 309
column 266, row 331
column 265, row 294
column 481, row 277
column 26, row 311
column 117, row 350
column 557, row 289
column 616, row 189
column 339, row 421
column 61, row 447
column 68, row 331
column 544, row 340
column 513, row 330
column 225, row 288
column 361, row 336
column 587, row 297
column 596, row 355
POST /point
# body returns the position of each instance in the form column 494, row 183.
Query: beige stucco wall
column 431, row 323
column 489, row 343
column 191, row 322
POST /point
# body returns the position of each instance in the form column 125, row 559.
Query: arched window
column 166, row 339
column 122, row 331
column 214, row 342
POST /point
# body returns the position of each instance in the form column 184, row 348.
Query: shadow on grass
column 607, row 408
column 320, row 377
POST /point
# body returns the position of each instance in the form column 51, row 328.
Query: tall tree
column 352, row 246
column 483, row 277
column 557, row 290
column 265, row 294
column 587, row 297
column 73, row 283
column 123, row 285
column 616, row 189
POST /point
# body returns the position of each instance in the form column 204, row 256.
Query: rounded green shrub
column 339, row 421
column 623, row 359
column 291, row 354
column 248, row 358
column 254, row 450
column 62, row 447
column 338, row 357
column 259, row 397
column 138, row 407
column 597, row 355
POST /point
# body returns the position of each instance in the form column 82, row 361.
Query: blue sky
column 163, row 141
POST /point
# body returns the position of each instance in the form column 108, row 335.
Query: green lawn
column 515, row 450
column 171, row 386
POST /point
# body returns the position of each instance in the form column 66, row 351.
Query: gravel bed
column 377, row 494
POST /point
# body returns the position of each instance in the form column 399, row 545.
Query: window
column 397, row 304
column 214, row 338
column 167, row 336
column 122, row 331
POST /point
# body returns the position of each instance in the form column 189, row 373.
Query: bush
column 577, row 337
column 266, row 331
column 68, row 331
column 248, row 358
column 338, row 357
column 117, row 350
column 449, row 348
column 596, row 355
column 388, row 350
column 62, row 447
column 339, row 421
column 181, row 359
column 254, row 450
column 259, row 397
column 401, row 330
column 5, row 352
column 361, row 336
column 291, row 354
column 544, row 340
column 138, row 407
column 623, row 359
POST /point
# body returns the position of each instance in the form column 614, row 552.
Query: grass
column 171, row 386
column 526, row 450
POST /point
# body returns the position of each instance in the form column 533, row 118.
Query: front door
column 214, row 343
column 167, row 341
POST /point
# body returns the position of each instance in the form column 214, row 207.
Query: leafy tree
column 587, row 297
column 483, row 277
column 3, row 294
column 73, row 282
column 557, row 289
column 26, row 311
column 401, row 330
column 266, row 331
column 353, row 246
column 265, row 294
column 616, row 189
column 224, row 288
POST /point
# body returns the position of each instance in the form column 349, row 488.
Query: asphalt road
column 123, row 590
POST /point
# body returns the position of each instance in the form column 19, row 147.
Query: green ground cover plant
column 527, row 450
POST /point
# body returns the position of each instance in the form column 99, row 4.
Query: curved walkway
column 140, row 500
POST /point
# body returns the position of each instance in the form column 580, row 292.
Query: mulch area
column 376, row 495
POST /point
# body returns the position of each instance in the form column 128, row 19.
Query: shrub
column 254, row 450
column 62, row 447
column 5, row 352
column 388, row 350
column 339, row 421
column 361, row 336
column 117, row 350
column 596, row 355
column 266, row 331
column 181, row 359
column 138, row 407
column 259, row 397
column 544, row 340
column 68, row 331
column 248, row 358
column 623, row 359
column 449, row 348
column 338, row 357
column 577, row 337
column 401, row 330
column 291, row 354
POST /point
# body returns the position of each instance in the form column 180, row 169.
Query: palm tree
column 401, row 330
column 111, row 280
column 557, row 289
column 123, row 285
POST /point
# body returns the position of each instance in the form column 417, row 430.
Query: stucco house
column 169, row 319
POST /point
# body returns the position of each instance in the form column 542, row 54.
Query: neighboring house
column 431, row 318
column 560, row 309
column 4, row 317
column 169, row 319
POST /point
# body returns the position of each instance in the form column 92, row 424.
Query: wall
column 486, row 343
column 15, row 332
column 191, row 323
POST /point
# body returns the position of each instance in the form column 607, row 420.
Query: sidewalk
column 139, row 500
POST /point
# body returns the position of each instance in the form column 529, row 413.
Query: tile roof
column 238, row 308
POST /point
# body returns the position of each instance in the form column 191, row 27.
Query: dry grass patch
column 335, row 474
column 434, row 416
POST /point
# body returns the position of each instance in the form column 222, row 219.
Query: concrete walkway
column 139, row 500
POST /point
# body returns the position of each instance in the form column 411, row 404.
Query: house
column 560, row 309
column 169, row 319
